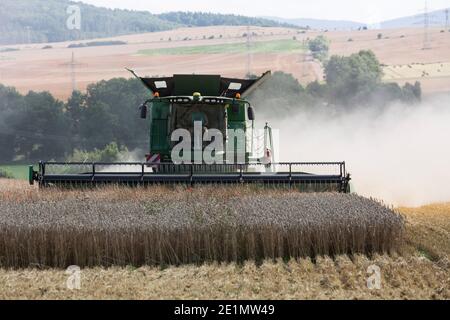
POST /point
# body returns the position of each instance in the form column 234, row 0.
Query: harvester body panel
column 159, row 129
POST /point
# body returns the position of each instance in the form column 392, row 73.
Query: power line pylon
column 426, row 27
column 73, row 64
column 446, row 19
column 249, row 52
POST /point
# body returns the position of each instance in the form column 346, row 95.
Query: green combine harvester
column 201, row 132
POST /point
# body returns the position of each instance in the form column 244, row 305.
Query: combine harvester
column 188, row 116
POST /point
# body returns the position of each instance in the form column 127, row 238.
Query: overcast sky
column 368, row 11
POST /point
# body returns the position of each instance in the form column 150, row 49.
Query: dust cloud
column 400, row 154
column 124, row 157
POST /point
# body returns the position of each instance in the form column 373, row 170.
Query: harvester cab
column 208, row 111
column 202, row 131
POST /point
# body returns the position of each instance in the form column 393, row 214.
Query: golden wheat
column 325, row 278
column 160, row 226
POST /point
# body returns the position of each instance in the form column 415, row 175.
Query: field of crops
column 15, row 171
column 411, row 250
column 417, row 71
column 159, row 56
column 164, row 226
column 274, row 46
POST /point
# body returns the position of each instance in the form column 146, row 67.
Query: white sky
column 367, row 11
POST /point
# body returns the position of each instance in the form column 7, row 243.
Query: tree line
column 205, row 19
column 38, row 21
column 37, row 126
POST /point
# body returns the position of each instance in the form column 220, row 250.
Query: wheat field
column 418, row 268
column 174, row 226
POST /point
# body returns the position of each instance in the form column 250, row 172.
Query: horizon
column 345, row 10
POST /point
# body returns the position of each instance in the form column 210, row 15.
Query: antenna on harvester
column 249, row 52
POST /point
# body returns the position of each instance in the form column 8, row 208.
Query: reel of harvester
column 330, row 176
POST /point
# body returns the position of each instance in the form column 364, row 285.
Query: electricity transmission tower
column 426, row 26
column 249, row 52
column 446, row 18
column 73, row 64
column 425, row 21
column 28, row 28
column 304, row 60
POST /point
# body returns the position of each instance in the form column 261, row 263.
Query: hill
column 38, row 21
column 437, row 18
column 202, row 19
column 188, row 50
column 320, row 24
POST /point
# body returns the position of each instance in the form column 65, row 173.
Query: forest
column 39, row 21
